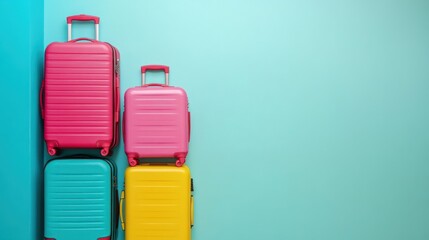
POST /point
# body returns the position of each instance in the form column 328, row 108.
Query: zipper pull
column 114, row 181
column 117, row 66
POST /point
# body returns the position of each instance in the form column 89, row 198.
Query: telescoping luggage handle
column 82, row 17
column 146, row 68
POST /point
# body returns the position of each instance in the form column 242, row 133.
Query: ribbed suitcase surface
column 80, row 97
column 157, row 122
column 78, row 199
column 158, row 203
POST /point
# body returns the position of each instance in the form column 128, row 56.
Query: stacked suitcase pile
column 80, row 101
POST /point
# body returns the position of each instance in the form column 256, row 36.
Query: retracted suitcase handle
column 82, row 17
column 146, row 68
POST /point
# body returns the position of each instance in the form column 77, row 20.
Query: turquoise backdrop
column 21, row 62
column 309, row 118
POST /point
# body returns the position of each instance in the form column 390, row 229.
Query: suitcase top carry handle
column 146, row 68
column 82, row 17
column 82, row 39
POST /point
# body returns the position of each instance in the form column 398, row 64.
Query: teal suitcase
column 81, row 200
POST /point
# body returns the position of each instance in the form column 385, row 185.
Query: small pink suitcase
column 156, row 120
column 79, row 97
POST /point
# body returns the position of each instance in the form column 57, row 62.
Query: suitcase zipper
column 115, row 76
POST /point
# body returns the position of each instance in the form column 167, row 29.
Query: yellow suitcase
column 158, row 203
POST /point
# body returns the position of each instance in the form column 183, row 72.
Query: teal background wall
column 21, row 51
column 309, row 118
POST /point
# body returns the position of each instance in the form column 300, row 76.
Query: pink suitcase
column 79, row 97
column 156, row 120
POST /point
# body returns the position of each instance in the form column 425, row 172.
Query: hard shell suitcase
column 158, row 203
column 81, row 199
column 79, row 97
column 156, row 120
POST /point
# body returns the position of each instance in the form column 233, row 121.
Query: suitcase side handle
column 121, row 211
column 192, row 203
column 192, row 211
column 146, row 68
column 82, row 17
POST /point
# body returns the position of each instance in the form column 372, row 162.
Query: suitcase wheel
column 132, row 161
column 52, row 151
column 104, row 152
column 180, row 161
